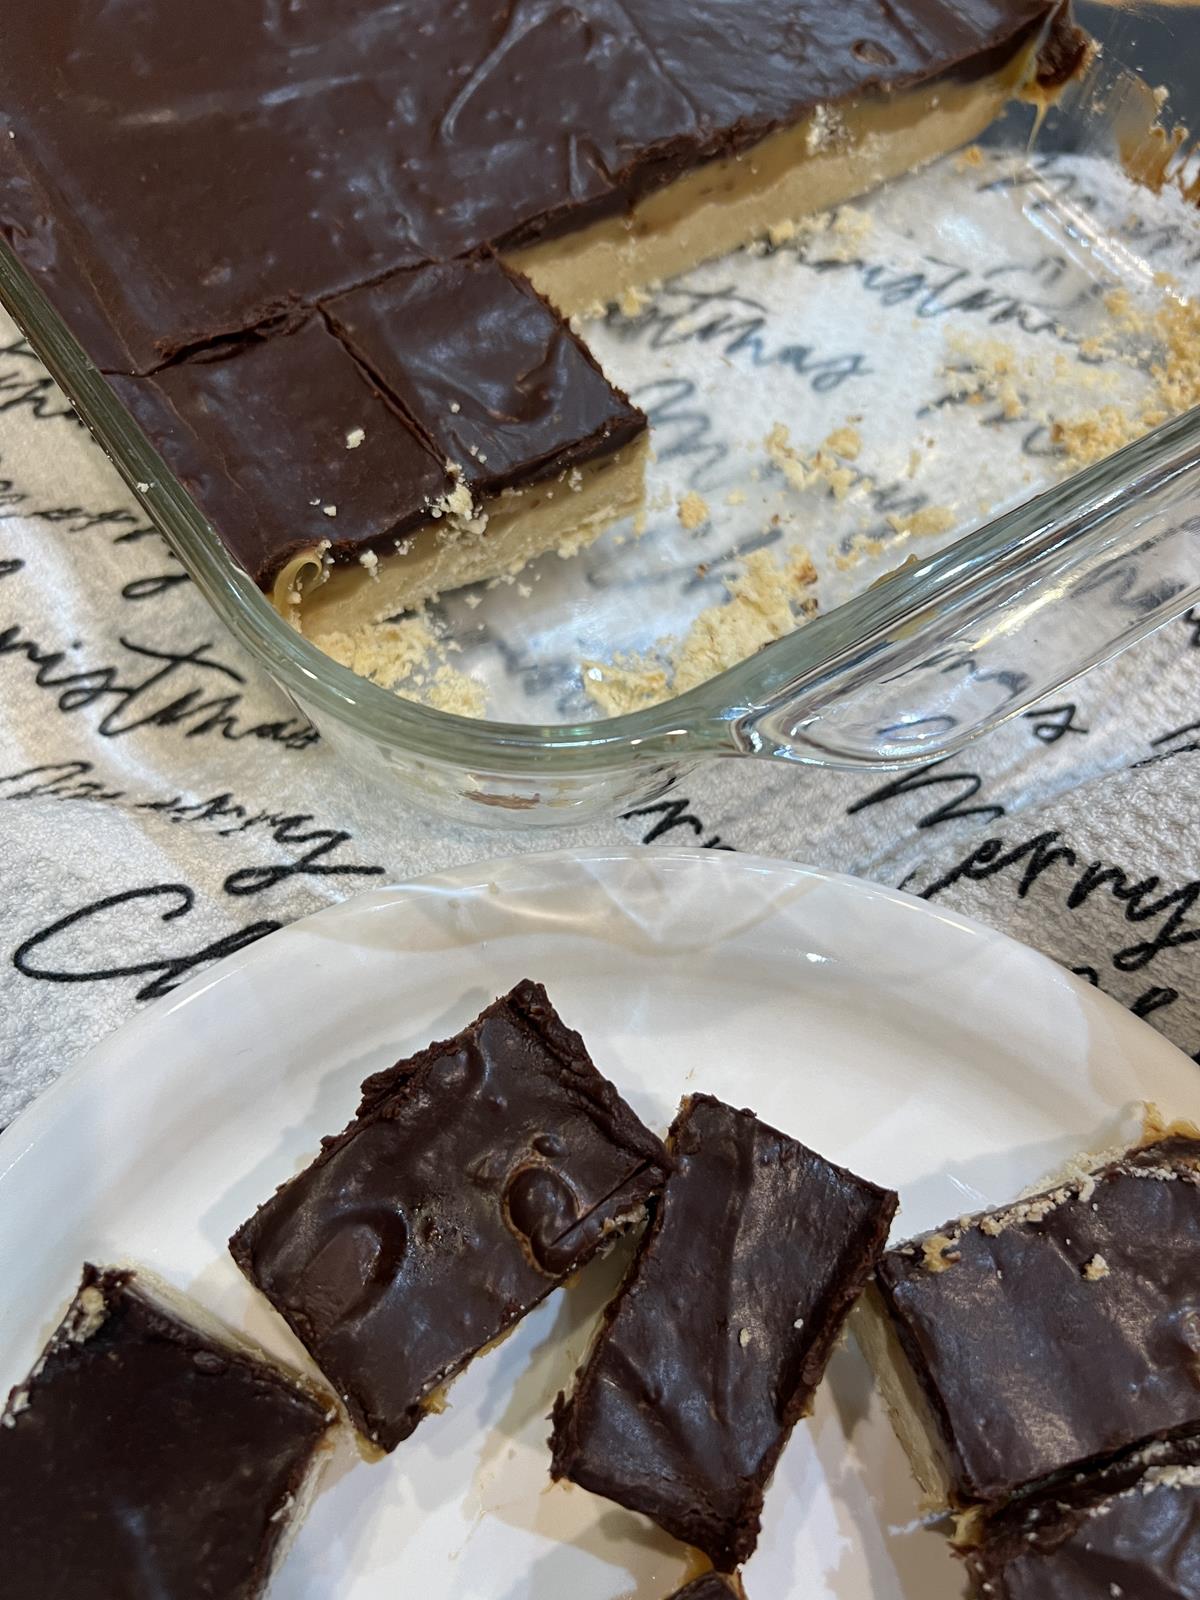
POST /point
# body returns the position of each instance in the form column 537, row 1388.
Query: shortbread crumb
column 408, row 657
column 767, row 601
column 845, row 442
column 693, row 511
column 938, row 1253
column 922, row 524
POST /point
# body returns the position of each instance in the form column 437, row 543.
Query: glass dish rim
column 698, row 721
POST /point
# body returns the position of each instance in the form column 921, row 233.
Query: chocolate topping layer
column 710, row 1353
column 461, row 363
column 141, row 1458
column 474, row 1177
column 492, row 377
column 258, row 431
column 1057, row 1331
column 178, row 173
column 189, row 184
column 1132, row 1533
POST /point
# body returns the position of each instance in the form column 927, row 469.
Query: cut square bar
column 148, row 1456
column 259, row 432
column 352, row 486
column 547, row 452
column 1042, row 1338
column 716, row 1341
column 473, row 1179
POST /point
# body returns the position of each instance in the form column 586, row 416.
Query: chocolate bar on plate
column 473, row 1179
column 149, row 1454
column 716, row 1341
column 1041, row 1338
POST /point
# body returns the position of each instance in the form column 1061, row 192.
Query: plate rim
column 22, row 1135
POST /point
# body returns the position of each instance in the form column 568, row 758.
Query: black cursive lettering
column 164, row 972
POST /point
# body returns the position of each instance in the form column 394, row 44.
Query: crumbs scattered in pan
column 1113, row 388
column 1167, row 345
column 826, row 465
column 840, row 235
column 409, row 658
column 893, row 364
column 766, row 601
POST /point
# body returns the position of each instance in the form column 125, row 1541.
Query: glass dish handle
column 919, row 683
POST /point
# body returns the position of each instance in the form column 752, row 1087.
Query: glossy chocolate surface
column 353, row 408
column 492, row 377
column 173, row 173
column 720, row 1334
column 141, row 1459
column 1059, row 1332
column 257, row 430
column 176, row 177
column 1132, row 1532
column 475, row 1177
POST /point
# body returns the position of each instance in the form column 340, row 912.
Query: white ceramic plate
column 921, row 1049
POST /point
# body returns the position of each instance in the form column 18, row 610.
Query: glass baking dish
column 917, row 655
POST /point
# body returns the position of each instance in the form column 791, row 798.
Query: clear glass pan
column 904, row 671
